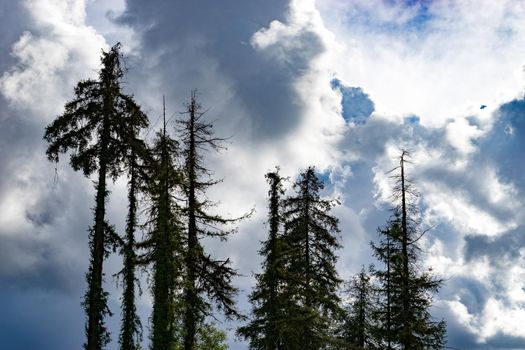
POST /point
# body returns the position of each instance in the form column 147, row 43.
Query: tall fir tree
column 359, row 325
column 163, row 244
column 311, row 284
column 93, row 127
column 389, row 254
column 206, row 280
column 136, row 160
column 409, row 289
column 264, row 330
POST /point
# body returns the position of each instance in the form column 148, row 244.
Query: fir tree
column 93, row 127
column 164, row 240
column 359, row 328
column 263, row 331
column 311, row 279
column 206, row 279
column 136, row 160
column 388, row 253
column 409, row 289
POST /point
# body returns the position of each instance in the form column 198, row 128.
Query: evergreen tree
column 359, row 328
column 409, row 290
column 136, row 160
column 388, row 253
column 93, row 127
column 206, row 279
column 164, row 240
column 311, row 278
column 263, row 331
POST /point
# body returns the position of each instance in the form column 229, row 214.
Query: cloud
column 340, row 85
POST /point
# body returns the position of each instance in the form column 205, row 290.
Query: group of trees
column 297, row 301
column 101, row 127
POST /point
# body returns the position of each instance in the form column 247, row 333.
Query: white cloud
column 61, row 50
column 467, row 54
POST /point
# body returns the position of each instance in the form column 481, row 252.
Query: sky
column 342, row 85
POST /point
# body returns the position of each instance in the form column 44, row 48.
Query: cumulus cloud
column 340, row 85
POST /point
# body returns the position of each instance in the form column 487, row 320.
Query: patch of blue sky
column 418, row 21
column 356, row 104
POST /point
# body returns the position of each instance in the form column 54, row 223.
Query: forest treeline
column 298, row 301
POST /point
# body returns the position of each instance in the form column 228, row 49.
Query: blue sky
column 341, row 85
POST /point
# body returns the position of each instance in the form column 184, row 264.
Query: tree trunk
column 405, row 290
column 190, row 321
column 128, row 326
column 95, row 291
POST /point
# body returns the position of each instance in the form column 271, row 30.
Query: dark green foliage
column 407, row 289
column 95, row 127
column 359, row 325
column 207, row 337
column 264, row 330
column 163, row 243
column 389, row 254
column 206, row 280
column 311, row 279
column 136, row 160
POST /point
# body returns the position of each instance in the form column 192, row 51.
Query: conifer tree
column 164, row 240
column 389, row 254
column 206, row 279
column 263, row 331
column 136, row 160
column 409, row 289
column 93, row 127
column 311, row 279
column 359, row 328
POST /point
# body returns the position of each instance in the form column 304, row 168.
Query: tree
column 136, row 160
column 263, row 331
column 389, row 254
column 163, row 245
column 311, row 279
column 409, row 290
column 93, row 127
column 207, row 337
column 206, row 279
column 359, row 328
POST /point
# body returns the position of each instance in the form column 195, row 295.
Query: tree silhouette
column 164, row 239
column 136, row 161
column 264, row 330
column 93, row 126
column 359, row 328
column 311, row 279
column 409, row 290
column 204, row 276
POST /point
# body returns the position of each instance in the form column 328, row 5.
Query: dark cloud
column 498, row 249
column 206, row 45
column 504, row 146
column 13, row 17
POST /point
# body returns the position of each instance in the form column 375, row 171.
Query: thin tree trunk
column 273, row 340
column 95, row 292
column 128, row 326
column 308, row 301
column 406, row 323
column 190, row 321
column 388, row 298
